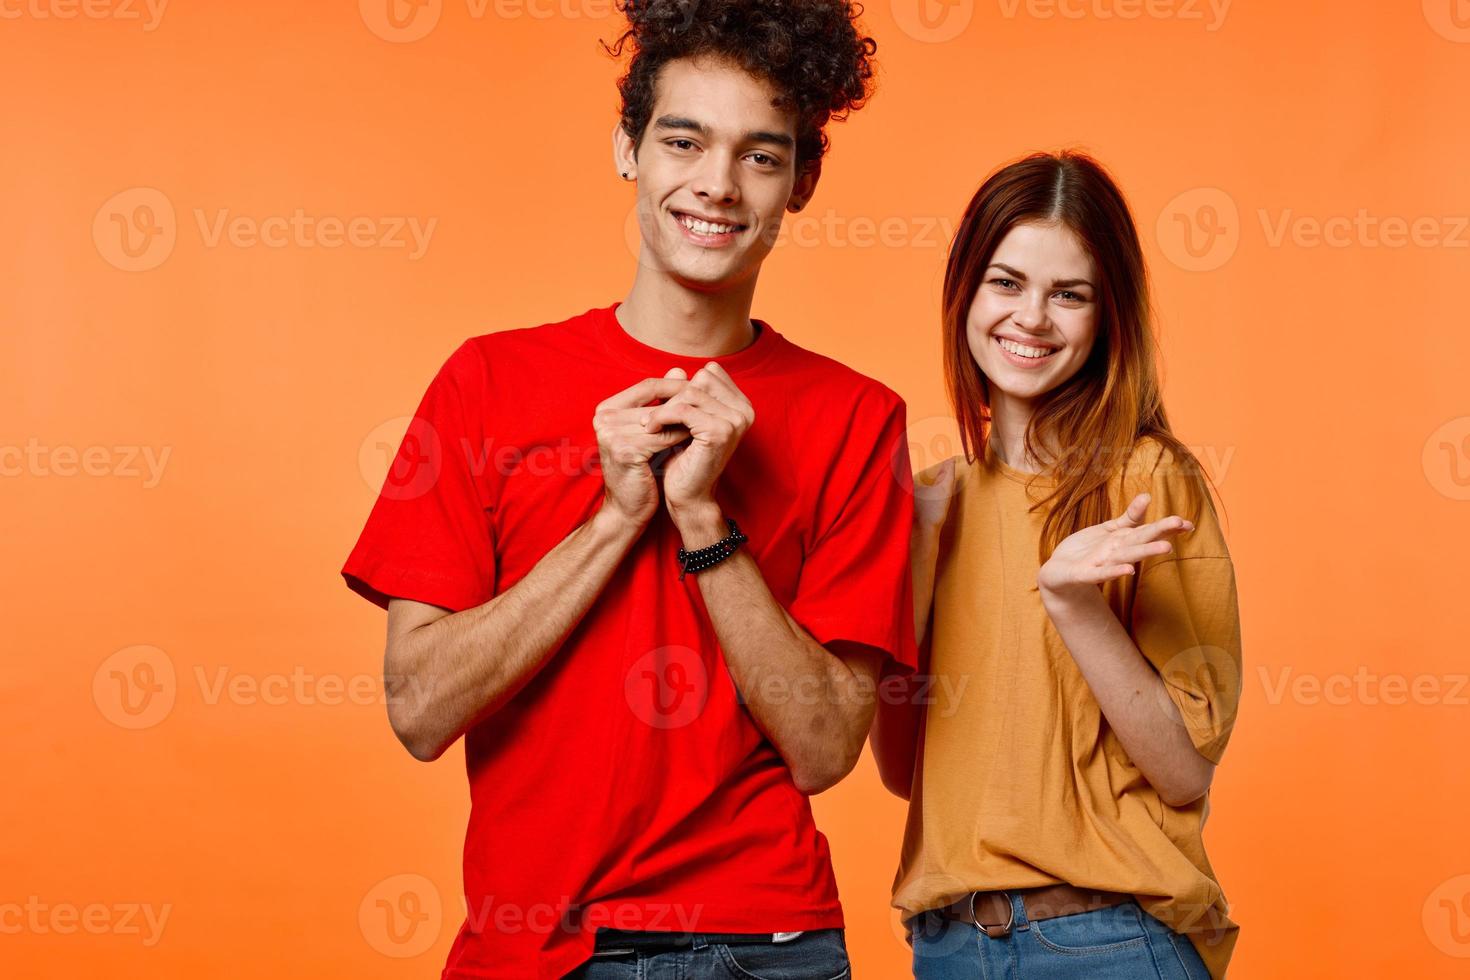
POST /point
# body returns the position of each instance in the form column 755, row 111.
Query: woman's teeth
column 1022, row 350
column 704, row 227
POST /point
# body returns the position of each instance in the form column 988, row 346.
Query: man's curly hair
column 811, row 51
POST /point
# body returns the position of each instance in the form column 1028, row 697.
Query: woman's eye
column 1004, row 283
column 1072, row 297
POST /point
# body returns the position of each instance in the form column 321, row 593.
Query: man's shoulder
column 526, row 339
column 836, row 384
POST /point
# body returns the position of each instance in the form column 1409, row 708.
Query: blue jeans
column 1120, row 942
column 818, row 954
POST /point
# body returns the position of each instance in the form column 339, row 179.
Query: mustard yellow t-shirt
column 1019, row 781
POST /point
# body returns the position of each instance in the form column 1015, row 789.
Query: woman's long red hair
column 1096, row 419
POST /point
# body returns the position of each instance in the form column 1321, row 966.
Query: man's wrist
column 700, row 525
column 611, row 525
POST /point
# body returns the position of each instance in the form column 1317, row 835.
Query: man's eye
column 681, row 144
column 763, row 159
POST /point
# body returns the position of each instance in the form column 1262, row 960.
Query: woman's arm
column 895, row 732
column 1128, row 689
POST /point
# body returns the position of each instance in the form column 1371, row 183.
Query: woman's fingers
column 1171, row 525
column 1137, row 553
column 1132, row 515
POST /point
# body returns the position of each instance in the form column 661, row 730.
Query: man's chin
column 708, row 277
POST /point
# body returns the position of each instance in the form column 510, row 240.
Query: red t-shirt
column 626, row 785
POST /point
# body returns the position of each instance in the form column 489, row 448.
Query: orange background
column 1324, row 385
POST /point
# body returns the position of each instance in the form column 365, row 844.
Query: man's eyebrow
column 680, row 122
column 1056, row 283
column 784, row 140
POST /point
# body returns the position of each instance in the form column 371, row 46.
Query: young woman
column 1075, row 602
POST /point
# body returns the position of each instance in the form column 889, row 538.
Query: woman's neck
column 1009, row 418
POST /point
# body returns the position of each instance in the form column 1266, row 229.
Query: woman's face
column 1034, row 316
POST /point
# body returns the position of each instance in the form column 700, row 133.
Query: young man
column 650, row 560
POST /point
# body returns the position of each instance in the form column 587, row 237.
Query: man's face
column 715, row 171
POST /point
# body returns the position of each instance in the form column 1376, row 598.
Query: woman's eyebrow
column 1021, row 276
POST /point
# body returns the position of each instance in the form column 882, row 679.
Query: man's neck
column 663, row 314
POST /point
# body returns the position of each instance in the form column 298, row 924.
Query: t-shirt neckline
column 1019, row 476
column 640, row 355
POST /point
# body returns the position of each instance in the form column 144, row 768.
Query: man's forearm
column 807, row 701
column 453, row 672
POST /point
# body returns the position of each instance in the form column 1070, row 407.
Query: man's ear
column 805, row 186
column 625, row 157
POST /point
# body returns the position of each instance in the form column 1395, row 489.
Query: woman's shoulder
column 1154, row 461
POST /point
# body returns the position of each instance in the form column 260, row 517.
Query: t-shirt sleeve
column 1185, row 616
column 428, row 536
column 855, row 580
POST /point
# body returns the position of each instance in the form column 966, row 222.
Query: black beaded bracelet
column 698, row 561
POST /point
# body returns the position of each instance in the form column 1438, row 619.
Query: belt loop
column 1019, row 921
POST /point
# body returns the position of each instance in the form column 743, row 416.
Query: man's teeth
column 704, row 227
column 1022, row 349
